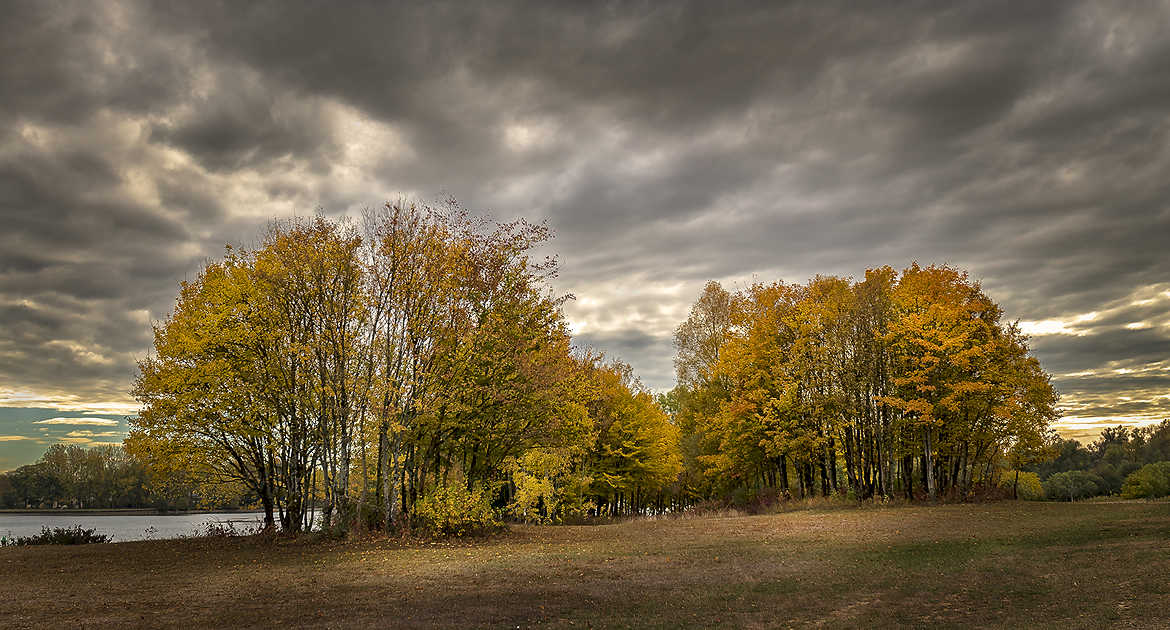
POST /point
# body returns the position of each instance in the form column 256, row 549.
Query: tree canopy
column 364, row 368
column 857, row 386
column 420, row 356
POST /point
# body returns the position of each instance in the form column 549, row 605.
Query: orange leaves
column 801, row 365
column 940, row 338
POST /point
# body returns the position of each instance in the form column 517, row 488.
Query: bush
column 1074, row 485
column 225, row 529
column 1028, row 487
column 75, row 535
column 1148, row 482
column 456, row 511
column 546, row 489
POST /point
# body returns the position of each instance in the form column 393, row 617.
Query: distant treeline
column 70, row 476
column 1121, row 461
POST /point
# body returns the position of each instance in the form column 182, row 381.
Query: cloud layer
column 665, row 144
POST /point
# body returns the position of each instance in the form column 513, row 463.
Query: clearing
column 1007, row 564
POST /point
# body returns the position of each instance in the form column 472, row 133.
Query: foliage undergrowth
column 1028, row 486
column 76, row 535
column 456, row 511
column 1148, row 482
column 227, row 529
column 1074, row 485
column 774, row 501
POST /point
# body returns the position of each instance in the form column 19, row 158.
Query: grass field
column 1006, row 564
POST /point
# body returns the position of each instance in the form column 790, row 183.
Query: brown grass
column 988, row 565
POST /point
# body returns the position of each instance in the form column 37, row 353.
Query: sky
column 666, row 144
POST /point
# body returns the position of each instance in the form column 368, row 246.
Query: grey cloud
column 240, row 124
column 1123, row 347
column 653, row 352
column 1025, row 142
column 65, row 60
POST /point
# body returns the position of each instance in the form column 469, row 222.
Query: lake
column 123, row 527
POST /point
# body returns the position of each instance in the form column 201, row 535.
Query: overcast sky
column 666, row 144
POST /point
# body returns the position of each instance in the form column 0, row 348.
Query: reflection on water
column 130, row 526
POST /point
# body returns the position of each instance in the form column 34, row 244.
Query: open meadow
column 1008, row 564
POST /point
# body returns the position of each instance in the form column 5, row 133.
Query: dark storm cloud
column 665, row 143
column 64, row 60
column 237, row 122
column 1125, row 347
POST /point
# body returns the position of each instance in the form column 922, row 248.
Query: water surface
column 123, row 527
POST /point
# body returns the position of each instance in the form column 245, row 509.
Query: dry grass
column 988, row 565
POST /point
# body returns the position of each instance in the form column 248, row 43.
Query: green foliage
column 76, row 535
column 1114, row 456
column 1074, row 485
column 1149, row 482
column 1028, row 486
column 456, row 511
column 106, row 476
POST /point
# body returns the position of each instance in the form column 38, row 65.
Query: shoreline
column 123, row 511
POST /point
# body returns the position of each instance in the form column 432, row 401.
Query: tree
column 1073, row 485
column 699, row 342
column 328, row 365
column 634, row 459
column 701, row 337
column 204, row 411
column 1149, row 482
column 895, row 373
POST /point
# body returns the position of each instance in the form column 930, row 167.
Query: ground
column 1007, row 564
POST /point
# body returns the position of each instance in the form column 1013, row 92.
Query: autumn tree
column 699, row 342
column 203, row 410
column 862, row 386
column 634, row 460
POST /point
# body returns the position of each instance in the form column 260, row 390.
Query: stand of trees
column 901, row 383
column 71, row 476
column 1078, row 471
column 363, row 368
column 420, row 356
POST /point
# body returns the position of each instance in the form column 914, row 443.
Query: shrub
column 1028, row 487
column 1148, row 482
column 1074, row 485
column 547, row 489
column 225, row 529
column 75, row 535
column 456, row 511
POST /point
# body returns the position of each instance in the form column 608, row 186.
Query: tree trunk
column 269, row 518
column 887, row 458
column 824, row 475
column 850, row 471
column 387, row 458
column 908, row 475
column 929, row 462
column 832, row 455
